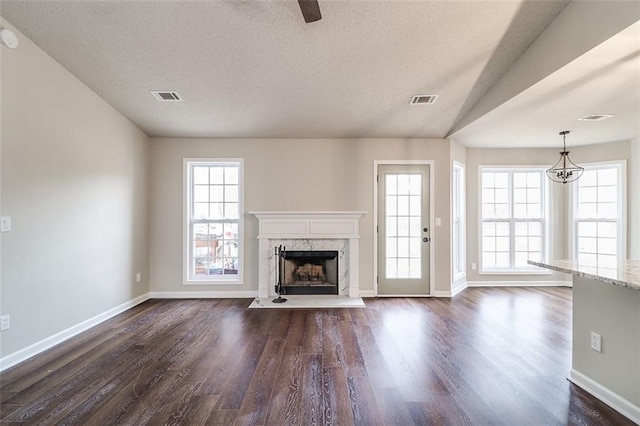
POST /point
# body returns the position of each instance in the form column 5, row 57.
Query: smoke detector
column 423, row 99
column 166, row 96
column 8, row 38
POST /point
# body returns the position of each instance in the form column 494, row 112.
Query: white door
column 403, row 230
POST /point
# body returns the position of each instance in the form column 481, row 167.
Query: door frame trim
column 431, row 164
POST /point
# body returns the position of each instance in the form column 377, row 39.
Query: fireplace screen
column 310, row 272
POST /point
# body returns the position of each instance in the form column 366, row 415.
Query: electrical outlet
column 474, row 266
column 138, row 277
column 596, row 342
column 5, row 224
column 4, row 322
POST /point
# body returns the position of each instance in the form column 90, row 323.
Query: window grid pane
column 215, row 215
column 512, row 208
column 597, row 224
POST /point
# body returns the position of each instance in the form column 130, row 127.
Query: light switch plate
column 5, row 223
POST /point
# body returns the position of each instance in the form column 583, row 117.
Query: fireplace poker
column 280, row 250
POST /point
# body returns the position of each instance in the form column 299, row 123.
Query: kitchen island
column 606, row 301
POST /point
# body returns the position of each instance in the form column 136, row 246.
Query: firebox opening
column 310, row 272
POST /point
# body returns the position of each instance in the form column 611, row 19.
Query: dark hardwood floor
column 488, row 356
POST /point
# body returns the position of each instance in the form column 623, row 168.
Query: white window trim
column 186, row 222
column 462, row 234
column 546, row 201
column 622, row 209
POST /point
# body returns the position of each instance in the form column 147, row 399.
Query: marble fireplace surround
column 309, row 231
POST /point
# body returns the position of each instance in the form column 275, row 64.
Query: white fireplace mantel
column 275, row 226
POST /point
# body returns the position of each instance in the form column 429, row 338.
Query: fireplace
column 309, row 231
column 309, row 272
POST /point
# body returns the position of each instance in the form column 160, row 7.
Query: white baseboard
column 49, row 342
column 510, row 283
column 458, row 287
column 605, row 395
column 202, row 294
column 367, row 293
column 455, row 290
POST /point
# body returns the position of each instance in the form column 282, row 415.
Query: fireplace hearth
column 309, row 272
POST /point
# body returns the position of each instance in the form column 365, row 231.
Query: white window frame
column 622, row 208
column 458, row 218
column 188, row 277
column 545, row 221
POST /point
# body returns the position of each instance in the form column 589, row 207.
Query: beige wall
column 289, row 175
column 614, row 313
column 559, row 197
column 74, row 179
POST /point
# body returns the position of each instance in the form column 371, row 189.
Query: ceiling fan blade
column 310, row 10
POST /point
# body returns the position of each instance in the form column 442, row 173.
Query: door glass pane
column 403, row 220
column 416, row 206
column 403, row 247
column 392, row 268
column 403, row 205
column 403, row 268
column 414, row 268
column 391, row 226
column 403, row 226
column 415, row 185
column 392, row 247
column 415, row 248
column 391, row 184
column 403, row 184
column 414, row 226
column 392, row 205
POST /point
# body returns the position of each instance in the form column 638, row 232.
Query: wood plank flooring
column 487, row 356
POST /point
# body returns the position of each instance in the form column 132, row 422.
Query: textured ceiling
column 604, row 80
column 255, row 69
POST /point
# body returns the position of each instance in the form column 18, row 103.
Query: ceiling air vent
column 423, row 99
column 166, row 96
column 595, row 117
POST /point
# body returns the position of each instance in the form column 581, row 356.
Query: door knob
column 426, row 239
column 425, row 229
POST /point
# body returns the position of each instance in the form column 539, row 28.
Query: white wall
column 293, row 175
column 459, row 156
column 74, row 179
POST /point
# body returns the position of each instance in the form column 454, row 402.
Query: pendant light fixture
column 565, row 170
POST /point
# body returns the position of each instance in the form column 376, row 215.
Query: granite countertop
column 626, row 274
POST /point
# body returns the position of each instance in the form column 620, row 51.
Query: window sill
column 236, row 281
column 516, row 272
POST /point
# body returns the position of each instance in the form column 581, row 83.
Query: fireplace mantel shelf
column 313, row 224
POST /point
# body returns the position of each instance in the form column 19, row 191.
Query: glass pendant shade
column 565, row 170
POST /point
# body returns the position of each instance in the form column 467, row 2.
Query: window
column 457, row 221
column 513, row 212
column 213, row 225
column 598, row 218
